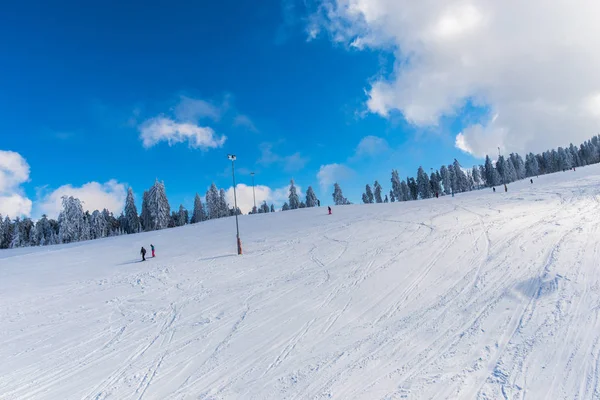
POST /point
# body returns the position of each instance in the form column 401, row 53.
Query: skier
column 329, row 208
column 437, row 195
column 505, row 188
column 531, row 181
column 319, row 202
column 152, row 248
column 143, row 253
column 494, row 189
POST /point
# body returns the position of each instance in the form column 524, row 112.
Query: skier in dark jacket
column 531, row 180
column 152, row 248
column 143, row 253
column 494, row 189
column 329, row 208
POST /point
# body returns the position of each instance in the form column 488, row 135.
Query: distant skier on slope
column 505, row 188
column 143, row 253
column 494, row 189
column 329, row 208
column 152, row 248
column 531, row 180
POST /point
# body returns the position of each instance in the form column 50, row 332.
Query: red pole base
column 239, row 246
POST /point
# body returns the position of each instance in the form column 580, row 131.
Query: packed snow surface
column 484, row 295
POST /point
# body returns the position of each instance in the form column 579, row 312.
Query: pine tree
column 70, row 220
column 445, row 175
column 145, row 219
column 423, row 184
column 385, row 200
column 396, row 186
column 158, row 211
column 182, row 216
column 198, row 215
column 476, row 176
column 435, row 184
column 413, row 188
column 294, row 200
column 377, row 191
column 272, row 208
column 338, row 196
column 131, row 214
column 7, row 233
column 365, row 198
column 311, row 198
column 392, row 196
column 223, row 206
column 462, row 183
column 264, row 207
column 212, row 202
column 285, row 207
column 368, row 195
column 404, row 192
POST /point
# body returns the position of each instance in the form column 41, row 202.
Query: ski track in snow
column 481, row 296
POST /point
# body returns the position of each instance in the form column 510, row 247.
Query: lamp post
column 232, row 157
column 253, row 192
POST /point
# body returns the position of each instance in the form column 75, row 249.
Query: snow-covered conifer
column 338, row 196
column 71, row 220
column 198, row 215
column 423, row 184
column 131, row 214
column 311, row 198
column 285, row 207
column 446, row 183
column 294, row 200
column 377, row 189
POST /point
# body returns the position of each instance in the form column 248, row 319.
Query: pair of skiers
column 143, row 252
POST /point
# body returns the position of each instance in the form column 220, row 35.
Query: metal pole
column 237, row 226
column 253, row 193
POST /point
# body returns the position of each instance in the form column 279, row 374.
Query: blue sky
column 79, row 84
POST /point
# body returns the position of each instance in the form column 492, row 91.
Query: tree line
column 74, row 224
column 453, row 178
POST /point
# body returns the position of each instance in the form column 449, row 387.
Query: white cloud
column 14, row 171
column 245, row 198
column 532, row 64
column 160, row 129
column 371, row 146
column 332, row 173
column 292, row 163
column 94, row 196
column 191, row 110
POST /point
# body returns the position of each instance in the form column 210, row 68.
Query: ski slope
column 481, row 296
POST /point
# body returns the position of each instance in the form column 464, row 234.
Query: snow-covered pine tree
column 212, row 202
column 223, row 206
column 70, row 220
column 145, row 218
column 413, row 188
column 182, row 216
column 98, row 225
column 435, row 184
column 198, row 215
column 285, row 207
column 7, row 232
column 386, row 200
column 311, row 198
column 294, row 200
column 446, row 183
column 365, row 198
column 16, row 237
column 392, row 196
column 369, row 194
column 462, row 182
column 404, row 192
column 272, row 208
column 264, row 207
column 131, row 214
column 377, row 189
column 423, row 184
column 396, row 185
column 476, row 176
column 158, row 207
column 338, row 196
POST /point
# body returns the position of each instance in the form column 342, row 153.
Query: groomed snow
column 484, row 295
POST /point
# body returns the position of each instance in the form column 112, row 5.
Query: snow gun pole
column 232, row 157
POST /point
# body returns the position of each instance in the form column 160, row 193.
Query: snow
column 484, row 295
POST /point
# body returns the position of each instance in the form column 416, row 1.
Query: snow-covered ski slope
column 481, row 296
